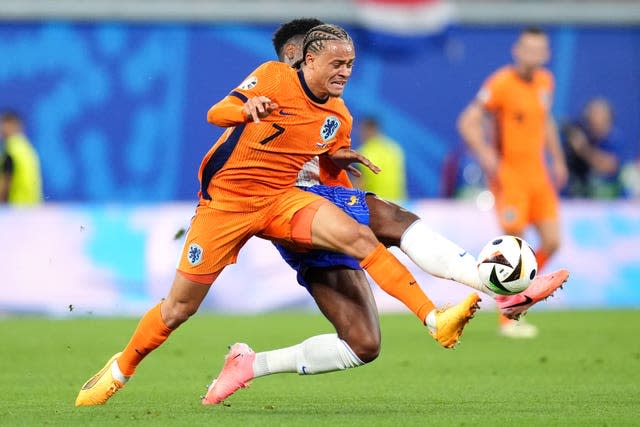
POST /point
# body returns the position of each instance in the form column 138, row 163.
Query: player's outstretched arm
column 231, row 111
column 226, row 113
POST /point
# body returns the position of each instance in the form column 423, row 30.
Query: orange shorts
column 520, row 203
column 215, row 236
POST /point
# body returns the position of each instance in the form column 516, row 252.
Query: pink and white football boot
column 236, row 373
column 541, row 288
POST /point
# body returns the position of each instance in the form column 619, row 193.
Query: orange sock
column 149, row 335
column 541, row 257
column 395, row 279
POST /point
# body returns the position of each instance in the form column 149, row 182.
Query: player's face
column 531, row 51
column 331, row 68
column 7, row 128
column 599, row 119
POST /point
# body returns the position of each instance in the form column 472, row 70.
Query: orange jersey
column 520, row 109
column 332, row 176
column 251, row 161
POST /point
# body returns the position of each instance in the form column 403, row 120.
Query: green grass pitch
column 583, row 370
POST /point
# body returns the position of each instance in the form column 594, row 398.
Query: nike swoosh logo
column 413, row 282
column 527, row 300
column 284, row 113
column 462, row 254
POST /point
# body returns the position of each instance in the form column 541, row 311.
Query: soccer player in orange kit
column 277, row 119
column 518, row 98
column 337, row 282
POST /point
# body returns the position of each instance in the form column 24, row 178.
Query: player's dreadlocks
column 286, row 32
column 316, row 38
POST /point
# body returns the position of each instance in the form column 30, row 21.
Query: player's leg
column 440, row 257
column 395, row 226
column 345, row 298
column 310, row 221
column 204, row 255
column 332, row 229
column 429, row 250
column 545, row 218
column 549, row 232
column 329, row 227
column 152, row 331
column 184, row 299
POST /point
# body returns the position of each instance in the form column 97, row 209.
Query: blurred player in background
column 336, row 281
column 6, row 171
column 389, row 156
column 277, row 119
column 21, row 181
column 591, row 147
column 518, row 98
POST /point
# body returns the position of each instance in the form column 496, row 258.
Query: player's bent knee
column 355, row 240
column 368, row 353
column 363, row 241
column 177, row 313
column 366, row 348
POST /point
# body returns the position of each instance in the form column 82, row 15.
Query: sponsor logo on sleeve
column 484, row 95
column 249, row 83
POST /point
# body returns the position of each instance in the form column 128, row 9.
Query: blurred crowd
column 593, row 146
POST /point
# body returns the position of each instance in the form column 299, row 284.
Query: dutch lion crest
column 329, row 128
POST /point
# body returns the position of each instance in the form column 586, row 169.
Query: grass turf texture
column 583, row 370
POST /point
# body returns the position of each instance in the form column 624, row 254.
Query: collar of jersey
column 308, row 91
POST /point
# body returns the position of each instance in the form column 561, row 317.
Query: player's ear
column 290, row 52
column 514, row 51
column 309, row 59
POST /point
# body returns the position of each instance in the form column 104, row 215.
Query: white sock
column 315, row 355
column 117, row 373
column 440, row 257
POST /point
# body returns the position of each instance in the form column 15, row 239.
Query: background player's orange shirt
column 521, row 109
column 253, row 161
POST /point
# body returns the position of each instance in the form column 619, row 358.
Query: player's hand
column 258, row 107
column 489, row 161
column 344, row 157
column 560, row 173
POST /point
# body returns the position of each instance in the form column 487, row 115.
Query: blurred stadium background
column 114, row 95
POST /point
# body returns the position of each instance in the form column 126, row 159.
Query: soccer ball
column 507, row 265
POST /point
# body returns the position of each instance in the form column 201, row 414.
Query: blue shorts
column 354, row 204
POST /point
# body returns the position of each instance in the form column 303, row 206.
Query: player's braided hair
column 316, row 38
